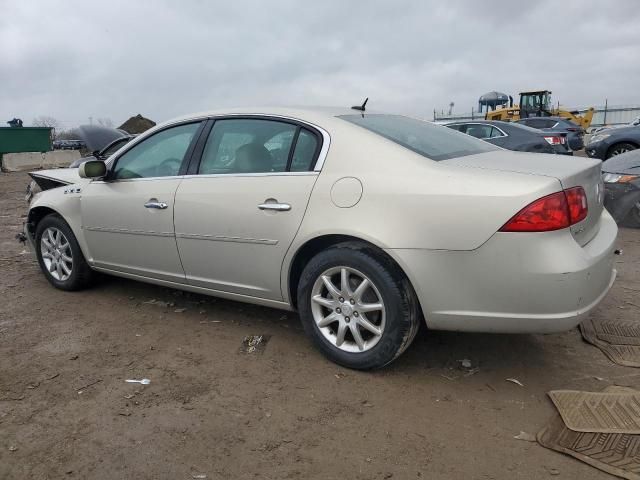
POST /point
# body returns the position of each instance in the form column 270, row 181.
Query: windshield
column 429, row 140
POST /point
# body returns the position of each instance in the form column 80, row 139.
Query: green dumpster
column 24, row 139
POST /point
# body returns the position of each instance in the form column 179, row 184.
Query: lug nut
column 347, row 319
column 341, row 299
column 355, row 314
column 352, row 301
column 338, row 310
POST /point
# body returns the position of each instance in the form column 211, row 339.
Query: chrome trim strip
column 222, row 238
column 128, row 232
column 261, row 174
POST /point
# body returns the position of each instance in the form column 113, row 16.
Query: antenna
column 361, row 108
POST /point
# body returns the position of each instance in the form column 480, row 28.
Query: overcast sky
column 76, row 59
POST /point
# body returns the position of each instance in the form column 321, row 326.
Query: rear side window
column 432, row 141
column 305, row 151
column 247, row 146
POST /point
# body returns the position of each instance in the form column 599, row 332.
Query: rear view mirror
column 92, row 169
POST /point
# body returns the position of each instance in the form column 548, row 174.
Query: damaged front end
column 48, row 179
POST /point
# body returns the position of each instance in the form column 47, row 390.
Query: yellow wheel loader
column 537, row 104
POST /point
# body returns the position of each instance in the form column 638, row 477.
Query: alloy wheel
column 56, row 254
column 348, row 309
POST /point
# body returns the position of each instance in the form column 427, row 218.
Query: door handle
column 155, row 204
column 278, row 207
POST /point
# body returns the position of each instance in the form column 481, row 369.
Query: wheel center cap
column 347, row 309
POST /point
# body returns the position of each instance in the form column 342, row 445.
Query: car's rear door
column 128, row 218
column 238, row 210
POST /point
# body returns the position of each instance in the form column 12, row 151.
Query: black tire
column 619, row 148
column 81, row 275
column 402, row 311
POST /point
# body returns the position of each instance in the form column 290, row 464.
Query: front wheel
column 357, row 306
column 620, row 148
column 59, row 255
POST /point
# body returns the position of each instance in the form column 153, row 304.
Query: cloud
column 76, row 59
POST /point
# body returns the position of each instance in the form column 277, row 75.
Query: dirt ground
column 66, row 411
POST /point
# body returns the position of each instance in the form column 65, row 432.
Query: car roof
column 302, row 112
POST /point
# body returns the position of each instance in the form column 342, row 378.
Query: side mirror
column 92, row 169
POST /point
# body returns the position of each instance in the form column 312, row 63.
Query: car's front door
column 128, row 218
column 237, row 216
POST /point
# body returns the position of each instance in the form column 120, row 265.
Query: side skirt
column 204, row 291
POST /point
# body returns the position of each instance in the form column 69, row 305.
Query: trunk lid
column 569, row 171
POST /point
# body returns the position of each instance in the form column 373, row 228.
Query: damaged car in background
column 367, row 224
column 621, row 175
column 101, row 141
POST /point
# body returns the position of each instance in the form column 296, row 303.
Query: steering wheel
column 168, row 168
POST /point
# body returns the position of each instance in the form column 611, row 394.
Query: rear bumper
column 515, row 282
column 596, row 150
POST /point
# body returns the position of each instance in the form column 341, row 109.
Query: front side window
column 432, row 141
column 247, row 146
column 160, row 155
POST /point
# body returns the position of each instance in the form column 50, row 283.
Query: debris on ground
column 144, row 381
column 180, row 310
column 527, row 437
column 465, row 363
column 13, row 448
column 159, row 303
column 254, row 343
column 514, row 380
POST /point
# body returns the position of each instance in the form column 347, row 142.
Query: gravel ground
column 66, row 411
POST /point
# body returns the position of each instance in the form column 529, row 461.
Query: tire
column 323, row 315
column 619, row 148
column 60, row 244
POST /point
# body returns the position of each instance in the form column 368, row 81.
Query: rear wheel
column 59, row 255
column 358, row 308
column 619, row 148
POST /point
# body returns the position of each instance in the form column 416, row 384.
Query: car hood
column 96, row 137
column 633, row 130
column 628, row 163
column 60, row 176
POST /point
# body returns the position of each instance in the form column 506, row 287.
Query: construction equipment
column 537, row 104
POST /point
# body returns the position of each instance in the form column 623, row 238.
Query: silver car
column 367, row 224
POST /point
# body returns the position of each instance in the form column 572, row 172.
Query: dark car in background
column 574, row 133
column 101, row 141
column 513, row 136
column 614, row 141
column 621, row 176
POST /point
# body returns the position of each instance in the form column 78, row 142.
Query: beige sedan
column 367, row 224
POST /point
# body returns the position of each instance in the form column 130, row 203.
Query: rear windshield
column 429, row 140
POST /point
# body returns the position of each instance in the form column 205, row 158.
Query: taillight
column 554, row 140
column 577, row 200
column 553, row 212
